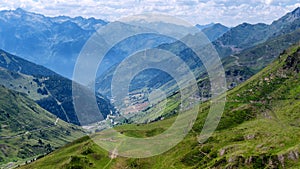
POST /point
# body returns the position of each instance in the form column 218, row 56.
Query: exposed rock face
column 293, row 155
column 250, row 137
column 293, row 62
column 222, row 152
column 262, row 161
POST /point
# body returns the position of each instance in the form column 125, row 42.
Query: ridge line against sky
column 227, row 12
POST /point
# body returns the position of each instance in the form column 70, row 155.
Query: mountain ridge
column 247, row 35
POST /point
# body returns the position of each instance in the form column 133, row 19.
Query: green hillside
column 48, row 89
column 259, row 129
column 28, row 131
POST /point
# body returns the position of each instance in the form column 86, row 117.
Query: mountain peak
column 20, row 10
column 201, row 27
column 215, row 31
column 220, row 25
column 296, row 12
column 290, row 17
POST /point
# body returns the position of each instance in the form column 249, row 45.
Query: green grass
column 259, row 129
column 28, row 131
column 20, row 83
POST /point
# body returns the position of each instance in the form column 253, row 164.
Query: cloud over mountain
column 228, row 12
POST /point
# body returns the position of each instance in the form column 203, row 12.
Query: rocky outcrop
column 262, row 161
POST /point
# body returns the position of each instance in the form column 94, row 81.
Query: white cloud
column 229, row 12
column 268, row 2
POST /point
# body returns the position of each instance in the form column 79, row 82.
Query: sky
column 227, row 12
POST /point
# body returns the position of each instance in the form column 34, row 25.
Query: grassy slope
column 27, row 130
column 259, row 129
column 50, row 90
column 21, row 83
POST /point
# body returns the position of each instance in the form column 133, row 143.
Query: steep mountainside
column 244, row 36
column 259, row 129
column 50, row 90
column 27, row 130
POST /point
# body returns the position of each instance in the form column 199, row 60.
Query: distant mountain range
column 55, row 42
column 244, row 50
column 246, row 35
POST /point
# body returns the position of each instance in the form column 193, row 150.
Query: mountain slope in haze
column 50, row 90
column 254, row 46
column 53, row 42
column 215, row 31
column 258, row 129
column 58, row 40
column 240, row 67
column 27, row 130
column 246, row 35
